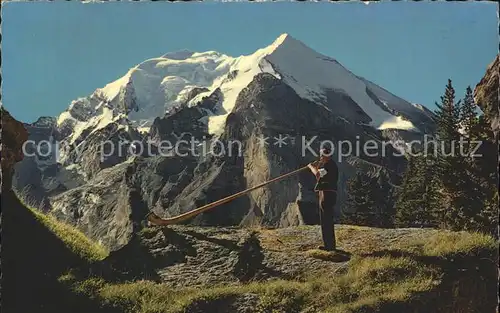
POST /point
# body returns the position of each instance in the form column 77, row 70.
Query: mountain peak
column 156, row 85
column 285, row 39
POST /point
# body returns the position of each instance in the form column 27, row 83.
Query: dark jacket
column 329, row 181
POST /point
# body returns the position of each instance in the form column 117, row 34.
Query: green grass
column 368, row 283
column 449, row 243
column 75, row 240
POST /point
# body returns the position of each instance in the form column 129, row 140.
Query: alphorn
column 156, row 220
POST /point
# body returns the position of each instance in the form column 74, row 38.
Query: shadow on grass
column 336, row 256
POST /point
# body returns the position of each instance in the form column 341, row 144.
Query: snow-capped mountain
column 156, row 86
column 285, row 89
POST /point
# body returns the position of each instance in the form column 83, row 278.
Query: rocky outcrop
column 32, row 256
column 13, row 135
column 33, row 177
column 184, row 256
column 54, row 165
column 111, row 206
column 225, row 269
column 486, row 94
column 105, row 148
column 186, row 123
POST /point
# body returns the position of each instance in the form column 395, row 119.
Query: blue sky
column 53, row 53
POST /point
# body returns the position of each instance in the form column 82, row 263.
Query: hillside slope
column 37, row 249
column 192, row 269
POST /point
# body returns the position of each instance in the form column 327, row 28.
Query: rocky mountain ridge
column 486, row 94
column 275, row 103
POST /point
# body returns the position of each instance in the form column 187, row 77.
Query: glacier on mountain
column 158, row 85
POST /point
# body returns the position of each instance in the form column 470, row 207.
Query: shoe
column 326, row 249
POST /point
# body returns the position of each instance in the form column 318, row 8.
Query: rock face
column 486, row 94
column 215, row 255
column 187, row 129
column 32, row 257
column 13, row 136
column 34, row 175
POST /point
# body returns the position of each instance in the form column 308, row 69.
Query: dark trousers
column 327, row 200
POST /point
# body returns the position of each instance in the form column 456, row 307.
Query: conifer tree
column 452, row 189
column 360, row 199
column 483, row 172
column 384, row 204
column 417, row 201
column 359, row 193
column 405, row 195
column 451, row 165
column 371, row 200
column 469, row 117
column 481, row 191
column 448, row 120
column 448, row 115
column 488, row 216
column 470, row 126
